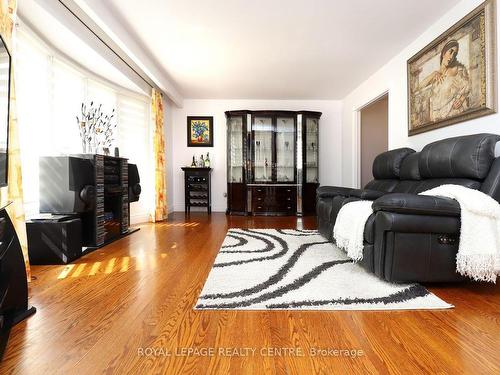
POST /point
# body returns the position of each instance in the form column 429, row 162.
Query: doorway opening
column 374, row 135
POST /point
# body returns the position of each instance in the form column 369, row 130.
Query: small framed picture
column 200, row 131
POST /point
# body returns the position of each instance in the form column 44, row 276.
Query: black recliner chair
column 412, row 237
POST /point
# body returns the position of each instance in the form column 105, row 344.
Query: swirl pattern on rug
column 263, row 269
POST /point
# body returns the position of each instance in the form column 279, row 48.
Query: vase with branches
column 96, row 128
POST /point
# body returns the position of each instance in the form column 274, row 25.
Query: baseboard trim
column 180, row 208
column 139, row 218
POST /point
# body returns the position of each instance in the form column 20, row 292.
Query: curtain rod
column 146, row 80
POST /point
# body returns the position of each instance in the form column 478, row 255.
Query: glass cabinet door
column 262, row 148
column 285, row 149
column 311, row 146
column 236, row 160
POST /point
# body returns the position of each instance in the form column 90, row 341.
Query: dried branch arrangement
column 96, row 128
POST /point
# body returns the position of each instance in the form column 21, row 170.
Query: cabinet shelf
column 197, row 188
column 198, row 197
column 198, row 204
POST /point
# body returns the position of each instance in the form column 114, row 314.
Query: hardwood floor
column 97, row 315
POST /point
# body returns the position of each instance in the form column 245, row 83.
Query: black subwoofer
column 54, row 242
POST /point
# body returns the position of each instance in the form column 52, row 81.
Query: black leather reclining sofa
column 412, row 237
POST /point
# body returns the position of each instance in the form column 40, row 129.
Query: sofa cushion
column 416, row 187
column 371, row 195
column 435, row 182
column 356, row 193
column 491, row 184
column 382, row 185
column 464, row 157
column 332, row 191
column 417, row 205
column 409, row 167
column 407, row 186
column 387, row 165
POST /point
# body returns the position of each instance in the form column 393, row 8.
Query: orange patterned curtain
column 14, row 191
column 160, row 209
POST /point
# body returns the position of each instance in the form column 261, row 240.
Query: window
column 50, row 91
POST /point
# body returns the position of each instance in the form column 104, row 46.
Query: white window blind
column 50, row 91
column 68, row 92
column 135, row 140
column 33, row 107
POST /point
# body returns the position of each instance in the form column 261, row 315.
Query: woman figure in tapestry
column 450, row 85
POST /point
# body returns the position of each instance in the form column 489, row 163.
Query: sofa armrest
column 333, row 191
column 371, row 195
column 417, row 205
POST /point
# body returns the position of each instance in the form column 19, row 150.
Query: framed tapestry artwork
column 200, row 131
column 453, row 79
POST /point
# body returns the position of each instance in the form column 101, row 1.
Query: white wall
column 329, row 145
column 392, row 78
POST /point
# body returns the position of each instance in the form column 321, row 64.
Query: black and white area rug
column 263, row 269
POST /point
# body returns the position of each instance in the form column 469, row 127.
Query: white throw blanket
column 478, row 254
column 349, row 227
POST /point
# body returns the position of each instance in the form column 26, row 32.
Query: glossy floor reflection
column 138, row 293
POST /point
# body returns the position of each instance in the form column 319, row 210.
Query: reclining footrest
column 416, row 248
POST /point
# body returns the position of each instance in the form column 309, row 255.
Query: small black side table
column 197, row 190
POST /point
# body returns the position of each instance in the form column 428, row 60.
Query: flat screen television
column 5, row 66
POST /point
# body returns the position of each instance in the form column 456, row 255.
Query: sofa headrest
column 461, row 157
column 409, row 167
column 387, row 165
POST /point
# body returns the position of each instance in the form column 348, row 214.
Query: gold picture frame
column 453, row 79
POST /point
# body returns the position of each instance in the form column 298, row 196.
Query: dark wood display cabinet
column 272, row 162
column 197, row 191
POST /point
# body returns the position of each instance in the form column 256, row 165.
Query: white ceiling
column 271, row 49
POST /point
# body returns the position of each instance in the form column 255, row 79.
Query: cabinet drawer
column 286, row 190
column 286, row 194
column 274, row 199
column 289, row 209
column 286, row 206
column 262, row 198
column 262, row 191
column 261, row 207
